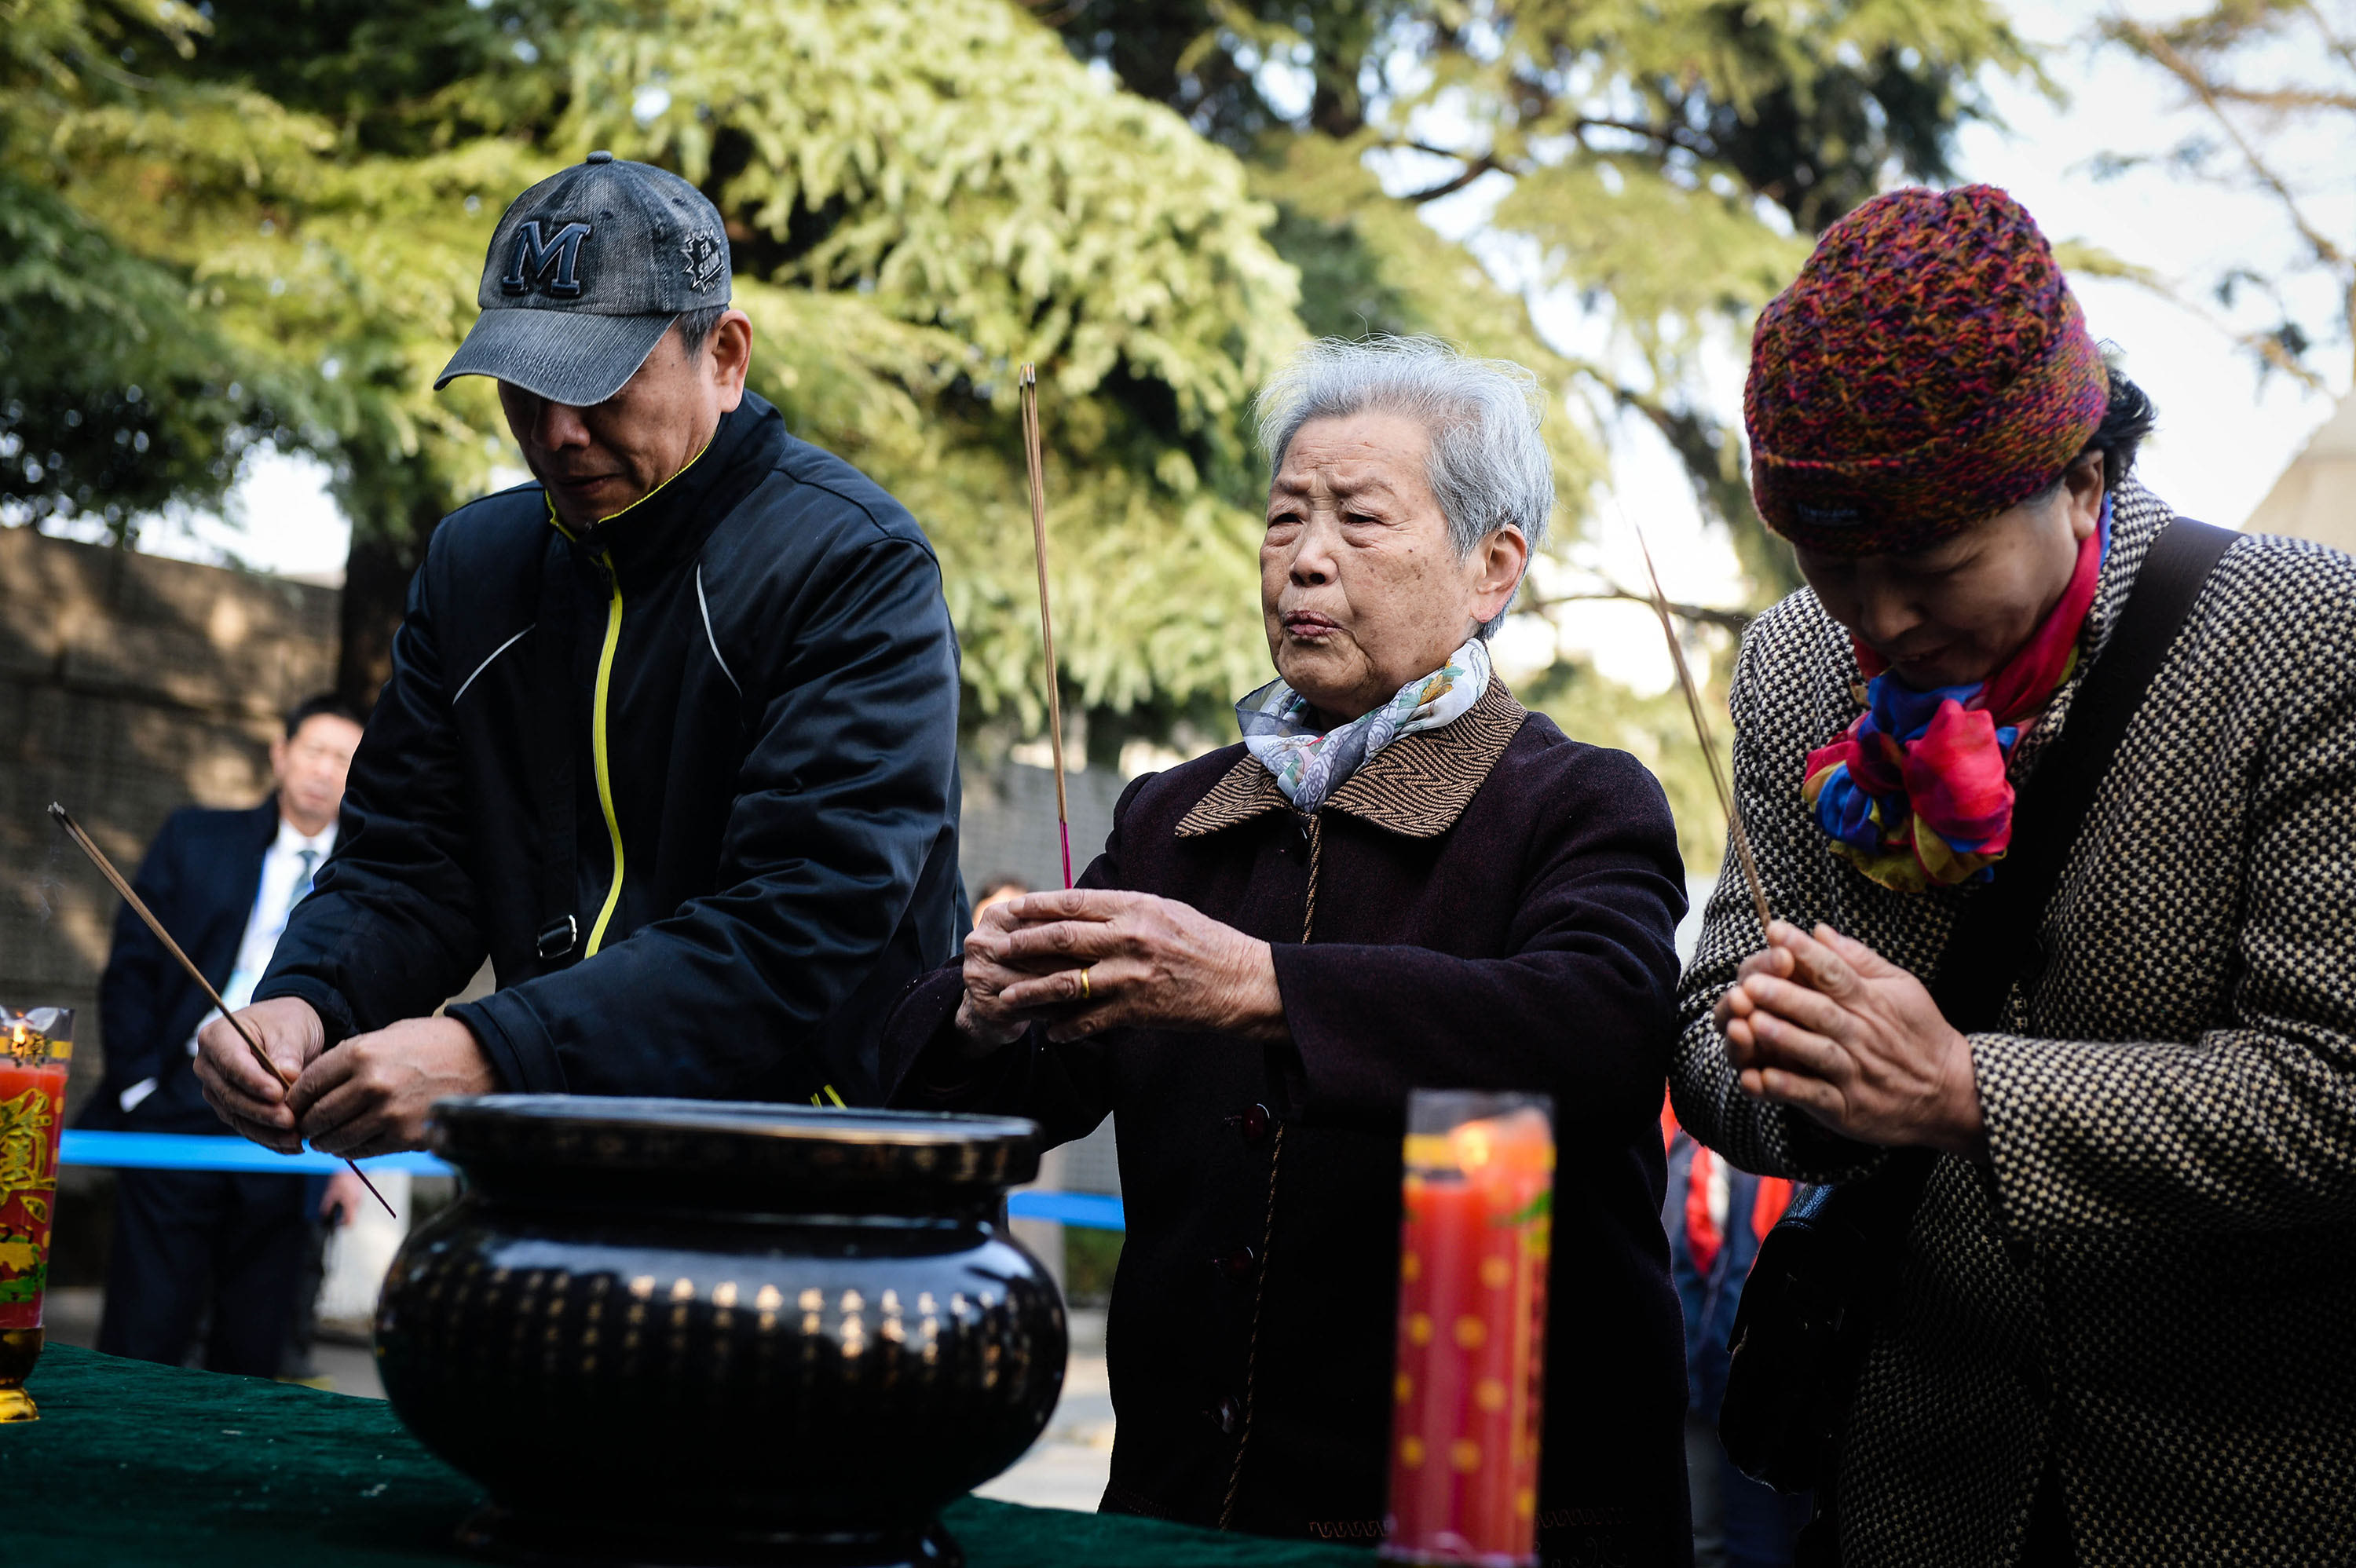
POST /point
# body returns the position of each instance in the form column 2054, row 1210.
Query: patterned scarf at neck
column 1914, row 790
column 1311, row 763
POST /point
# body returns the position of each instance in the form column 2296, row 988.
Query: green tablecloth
column 139, row 1464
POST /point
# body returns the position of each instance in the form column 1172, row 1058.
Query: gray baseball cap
column 587, row 271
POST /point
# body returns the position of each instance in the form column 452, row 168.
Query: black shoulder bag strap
column 1995, row 942
column 1800, row 1334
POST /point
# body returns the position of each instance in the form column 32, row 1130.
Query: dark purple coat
column 1492, row 906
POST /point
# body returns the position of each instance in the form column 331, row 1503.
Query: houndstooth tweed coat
column 2153, row 1283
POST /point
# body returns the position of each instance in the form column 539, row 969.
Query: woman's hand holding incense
column 1825, row 1024
column 370, row 1095
column 238, row 1088
column 1086, row 960
column 985, row 1020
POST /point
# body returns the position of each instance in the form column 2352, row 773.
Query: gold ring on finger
column 1086, row 994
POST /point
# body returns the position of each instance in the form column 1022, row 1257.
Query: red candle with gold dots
column 1474, row 1241
column 36, row 1050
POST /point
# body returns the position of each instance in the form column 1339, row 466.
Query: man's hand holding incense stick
column 368, row 1096
column 252, row 1101
column 1823, row 1023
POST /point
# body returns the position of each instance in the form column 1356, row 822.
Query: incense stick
column 139, row 907
column 1725, row 796
column 1027, row 384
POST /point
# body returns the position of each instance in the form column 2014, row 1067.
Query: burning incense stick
column 139, row 907
column 1027, row 384
column 1726, row 797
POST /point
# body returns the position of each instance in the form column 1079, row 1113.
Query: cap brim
column 566, row 357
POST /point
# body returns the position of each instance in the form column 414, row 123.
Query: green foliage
column 269, row 219
column 1424, row 283
column 1669, row 161
column 314, row 286
column 938, row 195
column 115, row 398
column 920, row 199
column 117, row 395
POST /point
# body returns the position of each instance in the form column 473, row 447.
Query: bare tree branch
column 2333, row 41
column 2157, row 47
column 2286, row 99
column 2265, row 345
column 1474, row 168
column 1734, row 621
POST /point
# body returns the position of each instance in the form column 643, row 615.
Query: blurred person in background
column 1715, row 1217
column 999, row 891
column 223, row 1251
column 1399, row 879
column 2117, row 1320
column 670, row 736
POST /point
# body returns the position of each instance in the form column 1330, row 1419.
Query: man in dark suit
column 223, row 883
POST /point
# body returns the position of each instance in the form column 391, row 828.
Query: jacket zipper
column 599, row 751
column 598, row 746
column 598, row 735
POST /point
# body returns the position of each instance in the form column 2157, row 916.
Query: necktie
column 309, row 858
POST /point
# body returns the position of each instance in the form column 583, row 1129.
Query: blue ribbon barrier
column 194, row 1151
column 1089, row 1211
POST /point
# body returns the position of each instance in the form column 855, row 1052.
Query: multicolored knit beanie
column 1928, row 368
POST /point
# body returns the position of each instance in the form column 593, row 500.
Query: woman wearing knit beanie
column 2119, row 1323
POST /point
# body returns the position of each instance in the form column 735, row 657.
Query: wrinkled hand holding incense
column 1027, row 388
column 139, row 907
column 1726, row 799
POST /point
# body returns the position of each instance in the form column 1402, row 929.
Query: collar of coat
column 1417, row 786
column 672, row 521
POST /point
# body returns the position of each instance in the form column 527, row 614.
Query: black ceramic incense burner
column 673, row 1332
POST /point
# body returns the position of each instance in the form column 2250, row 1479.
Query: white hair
column 1488, row 465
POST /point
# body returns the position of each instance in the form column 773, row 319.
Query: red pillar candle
column 1473, row 1238
column 35, row 1048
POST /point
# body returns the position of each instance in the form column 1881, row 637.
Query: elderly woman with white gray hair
column 1399, row 879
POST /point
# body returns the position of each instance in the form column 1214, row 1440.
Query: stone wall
column 130, row 686
column 1007, row 828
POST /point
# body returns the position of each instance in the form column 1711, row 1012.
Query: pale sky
column 2222, row 437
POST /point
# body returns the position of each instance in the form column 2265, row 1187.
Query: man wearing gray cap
column 670, row 736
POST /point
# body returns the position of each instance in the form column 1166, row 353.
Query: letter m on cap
column 536, row 259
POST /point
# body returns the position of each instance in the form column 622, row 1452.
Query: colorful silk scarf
column 1914, row 790
column 1311, row 763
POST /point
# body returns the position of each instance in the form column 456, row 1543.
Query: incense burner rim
column 734, row 1118
column 785, row 1158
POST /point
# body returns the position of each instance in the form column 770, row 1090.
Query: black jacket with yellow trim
column 688, row 780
